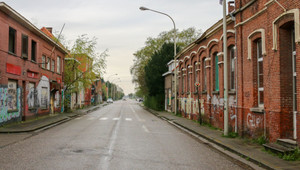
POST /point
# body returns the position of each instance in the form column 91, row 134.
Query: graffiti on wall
column 11, row 95
column 196, row 106
column 253, row 120
column 5, row 114
column 232, row 106
column 56, row 99
column 43, row 92
column 32, row 97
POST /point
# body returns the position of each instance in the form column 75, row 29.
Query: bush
column 155, row 102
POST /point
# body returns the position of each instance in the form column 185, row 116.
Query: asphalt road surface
column 121, row 135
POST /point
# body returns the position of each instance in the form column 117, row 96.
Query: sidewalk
column 249, row 151
column 45, row 121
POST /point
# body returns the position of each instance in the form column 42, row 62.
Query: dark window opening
column 33, row 50
column 12, row 40
column 25, row 46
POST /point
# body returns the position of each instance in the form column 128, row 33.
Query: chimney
column 231, row 6
column 49, row 29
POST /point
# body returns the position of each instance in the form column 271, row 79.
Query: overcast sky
column 118, row 25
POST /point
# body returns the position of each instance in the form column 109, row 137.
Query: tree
column 153, row 76
column 153, row 45
column 87, row 65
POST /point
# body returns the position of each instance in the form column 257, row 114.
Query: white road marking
column 103, row 118
column 116, row 118
column 91, row 118
column 145, row 129
column 136, row 115
column 128, row 119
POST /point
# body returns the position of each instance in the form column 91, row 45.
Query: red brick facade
column 266, row 37
column 26, row 88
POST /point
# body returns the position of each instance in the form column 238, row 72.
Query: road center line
column 145, row 129
column 137, row 117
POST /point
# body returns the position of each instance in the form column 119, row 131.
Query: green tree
column 153, row 76
column 84, row 54
column 153, row 45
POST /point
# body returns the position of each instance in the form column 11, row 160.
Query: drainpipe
column 225, row 70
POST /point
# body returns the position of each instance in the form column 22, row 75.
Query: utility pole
column 225, row 69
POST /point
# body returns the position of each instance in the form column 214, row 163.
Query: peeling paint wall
column 8, row 111
column 44, row 92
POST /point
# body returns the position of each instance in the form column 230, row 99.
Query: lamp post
column 175, row 71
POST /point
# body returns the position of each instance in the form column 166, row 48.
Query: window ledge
column 215, row 92
column 257, row 109
column 204, row 92
column 187, row 93
column 232, row 92
column 11, row 111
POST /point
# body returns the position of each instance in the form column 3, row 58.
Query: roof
column 27, row 24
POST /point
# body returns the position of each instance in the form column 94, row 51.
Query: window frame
column 12, row 40
column 24, row 47
column 58, row 64
column 33, row 50
column 232, row 67
column 43, row 61
column 204, row 78
column 216, row 72
column 260, row 84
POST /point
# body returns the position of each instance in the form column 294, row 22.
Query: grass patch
column 231, row 135
column 260, row 140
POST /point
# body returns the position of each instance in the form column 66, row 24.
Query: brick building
column 263, row 43
column 30, row 73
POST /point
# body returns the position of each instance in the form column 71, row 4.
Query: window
column 58, row 64
column 204, row 75
column 182, row 80
column 52, row 65
column 43, row 61
column 12, row 40
column 11, row 97
column 48, row 63
column 32, row 95
column 260, row 75
column 216, row 72
column 24, row 46
column 294, row 72
column 232, row 67
column 33, row 50
column 195, row 75
column 188, row 79
column 44, row 98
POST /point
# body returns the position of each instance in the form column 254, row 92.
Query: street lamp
column 175, row 74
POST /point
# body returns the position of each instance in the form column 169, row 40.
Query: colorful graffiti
column 56, row 99
column 32, row 97
column 253, row 120
column 43, row 92
column 10, row 106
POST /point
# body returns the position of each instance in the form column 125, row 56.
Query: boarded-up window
column 31, row 95
column 48, row 63
column 44, row 97
column 52, row 65
column 43, row 61
column 12, row 95
column 58, row 64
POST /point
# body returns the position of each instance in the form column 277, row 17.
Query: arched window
column 195, row 74
column 188, row 79
column 182, row 80
column 232, row 67
column 260, row 73
column 204, row 77
column 216, row 69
